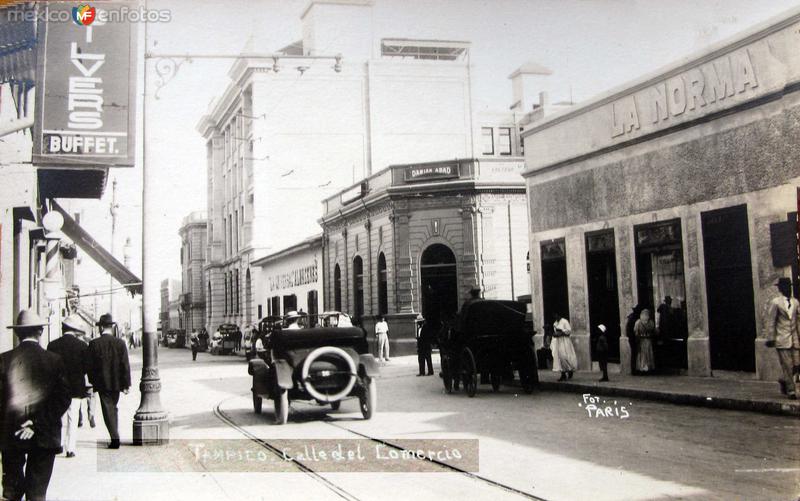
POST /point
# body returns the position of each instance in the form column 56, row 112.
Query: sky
column 590, row 45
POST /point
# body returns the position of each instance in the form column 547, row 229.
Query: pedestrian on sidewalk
column 382, row 336
column 601, row 351
column 783, row 334
column 194, row 342
column 89, row 396
column 73, row 353
column 564, row 359
column 109, row 372
column 644, row 330
column 34, row 394
column 425, row 334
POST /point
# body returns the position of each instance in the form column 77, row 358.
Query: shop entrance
column 555, row 294
column 729, row 289
column 601, row 267
column 661, row 288
column 438, row 284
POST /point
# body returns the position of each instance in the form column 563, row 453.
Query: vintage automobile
column 488, row 338
column 321, row 364
column 223, row 342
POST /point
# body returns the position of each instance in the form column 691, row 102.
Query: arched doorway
column 358, row 288
column 337, row 288
column 438, row 284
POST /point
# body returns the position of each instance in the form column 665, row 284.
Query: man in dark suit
column 73, row 353
column 109, row 373
column 33, row 396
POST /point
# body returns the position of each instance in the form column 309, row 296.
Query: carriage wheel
column 447, row 376
column 469, row 372
column 369, row 399
column 257, row 401
column 281, row 406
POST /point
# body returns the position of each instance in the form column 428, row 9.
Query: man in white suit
column 783, row 334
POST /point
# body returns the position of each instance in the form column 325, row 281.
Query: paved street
column 530, row 446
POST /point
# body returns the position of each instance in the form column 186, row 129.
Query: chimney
column 530, row 84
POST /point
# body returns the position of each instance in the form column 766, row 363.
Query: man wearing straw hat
column 34, row 394
column 73, row 352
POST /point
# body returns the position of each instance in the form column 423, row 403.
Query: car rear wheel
column 257, row 401
column 369, row 398
column 281, row 406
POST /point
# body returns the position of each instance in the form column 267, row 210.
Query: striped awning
column 98, row 253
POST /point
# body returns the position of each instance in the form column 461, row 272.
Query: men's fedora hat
column 105, row 319
column 74, row 322
column 27, row 318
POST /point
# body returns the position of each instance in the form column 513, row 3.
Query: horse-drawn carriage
column 489, row 340
column 321, row 364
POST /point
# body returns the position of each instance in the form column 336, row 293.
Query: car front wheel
column 369, row 399
column 281, row 406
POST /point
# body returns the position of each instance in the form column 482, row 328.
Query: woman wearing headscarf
column 564, row 358
column 644, row 330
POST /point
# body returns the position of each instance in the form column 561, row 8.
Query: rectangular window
column 521, row 143
column 487, row 140
column 504, row 141
column 236, row 232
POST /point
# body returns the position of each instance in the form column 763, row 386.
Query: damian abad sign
column 85, row 91
column 431, row 172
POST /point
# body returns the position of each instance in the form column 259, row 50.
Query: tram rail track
column 344, row 494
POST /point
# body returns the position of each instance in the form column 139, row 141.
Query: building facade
column 170, row 304
column 290, row 279
column 415, row 238
column 682, row 184
column 319, row 115
column 193, row 283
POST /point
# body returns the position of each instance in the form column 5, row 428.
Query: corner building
column 682, row 183
column 415, row 238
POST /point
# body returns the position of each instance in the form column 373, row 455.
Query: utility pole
column 113, row 210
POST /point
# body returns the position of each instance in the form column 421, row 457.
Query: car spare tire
column 331, row 359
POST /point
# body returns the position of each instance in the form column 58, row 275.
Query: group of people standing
column 41, row 394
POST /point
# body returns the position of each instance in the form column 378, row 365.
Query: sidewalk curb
column 760, row 406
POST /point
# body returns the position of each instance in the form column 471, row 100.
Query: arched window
column 358, row 287
column 383, row 286
column 238, row 295
column 337, row 288
column 225, row 311
column 248, row 296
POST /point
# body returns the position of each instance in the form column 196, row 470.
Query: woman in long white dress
column 564, row 359
column 644, row 330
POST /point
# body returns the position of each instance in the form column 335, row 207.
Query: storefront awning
column 101, row 256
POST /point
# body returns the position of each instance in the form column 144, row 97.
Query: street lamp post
column 151, row 421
